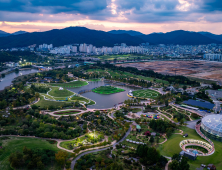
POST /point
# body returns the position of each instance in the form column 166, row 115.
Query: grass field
column 70, row 84
column 80, row 99
column 146, row 93
column 46, row 103
column 107, row 90
column 16, row 144
column 172, row 146
column 55, row 92
column 68, row 112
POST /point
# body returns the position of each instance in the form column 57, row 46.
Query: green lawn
column 172, row 146
column 107, row 90
column 68, row 112
column 16, row 144
column 80, row 98
column 70, row 84
column 46, row 103
column 146, row 93
column 55, row 92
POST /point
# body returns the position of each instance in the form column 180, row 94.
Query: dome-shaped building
column 211, row 126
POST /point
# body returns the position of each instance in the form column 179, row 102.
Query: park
column 61, row 118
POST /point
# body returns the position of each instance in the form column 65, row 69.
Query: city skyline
column 144, row 16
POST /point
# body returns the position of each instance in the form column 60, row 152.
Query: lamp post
column 94, row 135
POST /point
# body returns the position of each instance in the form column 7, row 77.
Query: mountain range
column 5, row 34
column 78, row 35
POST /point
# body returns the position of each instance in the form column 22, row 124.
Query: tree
column 151, row 139
column 174, row 165
column 97, row 112
column 37, row 95
column 40, row 165
column 99, row 121
column 181, row 122
column 184, row 163
column 184, row 87
column 60, row 157
column 166, row 103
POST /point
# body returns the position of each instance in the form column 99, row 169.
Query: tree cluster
column 32, row 158
column 150, row 156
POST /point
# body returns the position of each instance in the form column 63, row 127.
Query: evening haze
column 146, row 16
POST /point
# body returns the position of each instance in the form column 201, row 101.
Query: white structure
column 60, row 88
column 213, row 57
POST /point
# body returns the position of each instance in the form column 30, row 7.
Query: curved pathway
column 52, row 113
column 97, row 150
column 197, row 128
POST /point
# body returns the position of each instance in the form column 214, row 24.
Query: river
column 7, row 80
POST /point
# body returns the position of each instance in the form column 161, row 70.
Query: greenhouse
column 211, row 125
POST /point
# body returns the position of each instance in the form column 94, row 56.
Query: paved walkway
column 197, row 128
column 81, row 112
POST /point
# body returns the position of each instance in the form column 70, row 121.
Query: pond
column 104, row 101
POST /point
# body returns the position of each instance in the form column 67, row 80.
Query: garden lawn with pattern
column 146, row 93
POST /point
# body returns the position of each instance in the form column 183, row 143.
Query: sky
column 146, row 16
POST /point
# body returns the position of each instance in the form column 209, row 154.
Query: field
column 70, row 84
column 46, row 103
column 16, row 144
column 121, row 57
column 107, row 90
column 172, row 147
column 55, row 92
column 67, row 112
column 145, row 93
column 200, row 70
column 121, row 74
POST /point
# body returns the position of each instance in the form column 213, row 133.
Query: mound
column 107, row 90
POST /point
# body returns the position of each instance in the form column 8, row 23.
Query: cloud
column 53, row 6
column 121, row 11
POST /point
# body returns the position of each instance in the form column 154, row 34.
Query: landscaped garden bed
column 67, row 112
column 107, row 90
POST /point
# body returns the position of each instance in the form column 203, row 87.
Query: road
column 98, row 150
column 214, row 94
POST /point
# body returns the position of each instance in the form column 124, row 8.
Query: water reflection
column 7, row 80
column 104, row 101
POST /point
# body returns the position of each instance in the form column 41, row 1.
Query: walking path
column 53, row 113
column 197, row 128
column 28, row 105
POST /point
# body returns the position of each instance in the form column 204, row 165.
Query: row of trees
column 151, row 73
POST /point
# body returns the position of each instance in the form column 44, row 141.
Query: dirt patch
column 198, row 69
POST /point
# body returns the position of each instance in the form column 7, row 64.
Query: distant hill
column 179, row 37
column 78, row 35
column 130, row 32
column 70, row 35
column 19, row 32
column 3, row 34
column 212, row 36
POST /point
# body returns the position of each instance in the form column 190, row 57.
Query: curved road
column 97, row 150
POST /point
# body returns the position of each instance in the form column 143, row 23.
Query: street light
column 94, row 135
